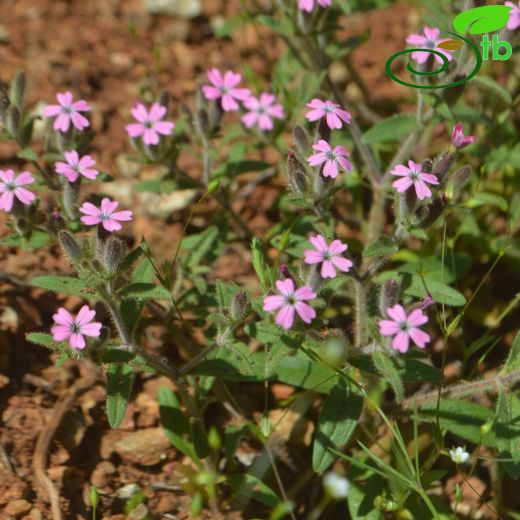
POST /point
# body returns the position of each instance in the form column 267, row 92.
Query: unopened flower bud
column 407, row 202
column 12, row 121
column 427, row 165
column 389, row 295
column 442, row 165
column 114, row 253
column 70, row 196
column 22, row 225
column 4, row 105
column 296, row 174
column 164, row 100
column 71, row 248
column 17, row 90
column 56, row 223
column 239, row 307
column 324, row 130
column 301, row 139
column 458, row 180
column 429, row 214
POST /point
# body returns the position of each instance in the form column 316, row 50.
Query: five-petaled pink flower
column 404, row 328
column 262, row 111
column 331, row 111
column 329, row 256
column 458, row 138
column 106, row 215
column 514, row 16
column 11, row 187
column 74, row 329
column 76, row 166
column 290, row 301
column 308, row 5
column 331, row 157
column 149, row 123
column 428, row 40
column 224, row 87
column 413, row 175
column 67, row 111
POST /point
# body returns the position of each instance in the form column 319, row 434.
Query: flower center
column 415, row 175
column 10, row 186
column 291, row 300
column 431, row 44
column 331, row 155
column 328, row 109
column 76, row 329
column 149, row 124
column 404, row 326
column 105, row 216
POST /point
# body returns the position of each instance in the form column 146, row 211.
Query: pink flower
column 458, row 139
column 74, row 167
column 329, row 256
column 289, row 301
column 308, row 5
column 514, row 16
column 224, row 88
column 332, row 111
column 68, row 110
column 149, row 123
column 413, row 175
column 74, row 329
column 104, row 215
column 11, row 187
column 262, row 111
column 331, row 157
column 430, row 40
column 404, row 328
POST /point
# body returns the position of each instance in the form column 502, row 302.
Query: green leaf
column 484, row 198
column 64, row 284
column 496, row 90
column 388, row 368
column 120, row 380
column 145, row 291
column 390, row 129
column 43, row 339
column 175, row 423
column 484, row 19
column 415, row 285
column 507, row 431
column 233, row 169
column 250, row 486
column 202, row 246
column 383, row 246
column 337, row 422
column 463, row 418
column 27, row 154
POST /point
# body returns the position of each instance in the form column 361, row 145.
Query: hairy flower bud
column 323, row 131
column 429, row 214
column 17, row 90
column 296, row 174
column 70, row 196
column 301, row 139
column 442, row 164
column 406, row 202
column 457, row 181
column 12, row 121
column 71, row 248
column 239, row 307
column 56, row 223
column 389, row 295
column 113, row 253
column 164, row 101
column 22, row 225
column 202, row 124
column 427, row 165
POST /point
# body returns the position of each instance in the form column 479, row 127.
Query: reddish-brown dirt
column 106, row 51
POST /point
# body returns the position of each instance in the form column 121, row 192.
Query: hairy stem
column 360, row 310
column 464, row 389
